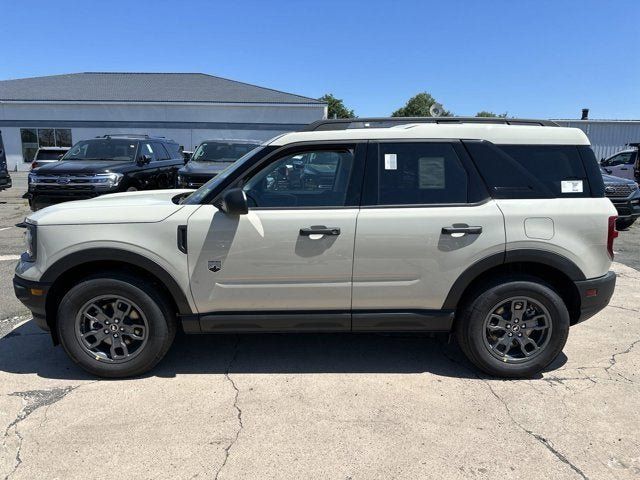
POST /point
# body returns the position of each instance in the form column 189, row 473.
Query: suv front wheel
column 115, row 326
column 513, row 329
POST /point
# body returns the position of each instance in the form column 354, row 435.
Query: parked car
column 500, row 234
column 210, row 158
column 106, row 164
column 623, row 164
column 5, row 178
column 46, row 155
column 625, row 196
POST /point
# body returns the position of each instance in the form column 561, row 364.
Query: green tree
column 418, row 106
column 336, row 107
column 484, row 113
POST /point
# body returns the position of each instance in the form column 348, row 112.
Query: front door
column 288, row 263
column 424, row 220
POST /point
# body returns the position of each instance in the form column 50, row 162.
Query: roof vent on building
column 585, row 114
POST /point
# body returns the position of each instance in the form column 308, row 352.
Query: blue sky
column 528, row 58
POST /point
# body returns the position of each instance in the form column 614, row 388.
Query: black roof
column 382, row 122
column 143, row 87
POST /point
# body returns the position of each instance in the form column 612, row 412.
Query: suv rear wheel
column 513, row 329
column 115, row 326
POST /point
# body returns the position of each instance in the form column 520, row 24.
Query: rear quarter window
column 533, row 171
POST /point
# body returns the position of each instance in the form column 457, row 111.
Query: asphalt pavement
column 321, row 406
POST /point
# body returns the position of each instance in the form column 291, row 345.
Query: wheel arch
column 64, row 273
column 553, row 269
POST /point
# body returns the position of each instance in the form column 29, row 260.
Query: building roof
column 498, row 134
column 143, row 87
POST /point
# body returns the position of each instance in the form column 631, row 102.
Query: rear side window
column 173, row 149
column 558, row 167
column 531, row 171
column 416, row 173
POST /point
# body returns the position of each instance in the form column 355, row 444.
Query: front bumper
column 595, row 294
column 38, row 200
column 33, row 295
column 627, row 207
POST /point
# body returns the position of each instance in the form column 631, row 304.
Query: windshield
column 103, row 149
column 221, row 151
column 48, row 154
column 203, row 192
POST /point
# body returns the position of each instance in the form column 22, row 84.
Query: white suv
column 500, row 233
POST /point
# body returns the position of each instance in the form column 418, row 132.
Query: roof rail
column 128, row 135
column 385, row 122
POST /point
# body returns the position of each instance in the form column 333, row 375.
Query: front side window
column 103, row 149
column 316, row 178
column 418, row 173
column 620, row 159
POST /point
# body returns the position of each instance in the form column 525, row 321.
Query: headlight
column 107, row 180
column 31, row 241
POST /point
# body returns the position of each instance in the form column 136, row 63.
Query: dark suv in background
column 210, row 158
column 5, row 178
column 106, row 164
column 625, row 196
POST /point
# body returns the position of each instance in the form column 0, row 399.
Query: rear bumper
column 33, row 295
column 595, row 294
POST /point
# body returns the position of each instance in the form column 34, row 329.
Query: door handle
column 469, row 230
column 319, row 230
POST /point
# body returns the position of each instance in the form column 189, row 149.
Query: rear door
column 424, row 220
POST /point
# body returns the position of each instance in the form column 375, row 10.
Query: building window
column 34, row 138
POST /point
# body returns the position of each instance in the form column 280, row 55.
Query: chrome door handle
column 469, row 230
column 319, row 230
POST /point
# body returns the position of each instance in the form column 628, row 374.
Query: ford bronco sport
column 499, row 233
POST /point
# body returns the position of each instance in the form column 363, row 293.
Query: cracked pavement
column 326, row 406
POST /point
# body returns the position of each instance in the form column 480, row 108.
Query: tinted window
column 307, row 179
column 558, row 167
column 173, row 149
column 161, row 152
column 414, row 173
column 530, row 171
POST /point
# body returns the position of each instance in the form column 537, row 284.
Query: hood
column 127, row 207
column 70, row 167
column 203, row 168
column 613, row 180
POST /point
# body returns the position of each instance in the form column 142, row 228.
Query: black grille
column 620, row 190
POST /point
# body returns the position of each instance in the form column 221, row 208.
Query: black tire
column 160, row 326
column 624, row 223
column 471, row 330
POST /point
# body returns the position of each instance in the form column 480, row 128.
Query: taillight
column 612, row 234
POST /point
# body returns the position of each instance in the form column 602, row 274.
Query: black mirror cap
column 144, row 159
column 234, row 202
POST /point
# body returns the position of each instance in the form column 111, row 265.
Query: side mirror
column 234, row 202
column 144, row 159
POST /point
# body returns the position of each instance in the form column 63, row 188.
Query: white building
column 60, row 110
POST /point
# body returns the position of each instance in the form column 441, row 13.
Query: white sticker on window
column 390, row 161
column 571, row 186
